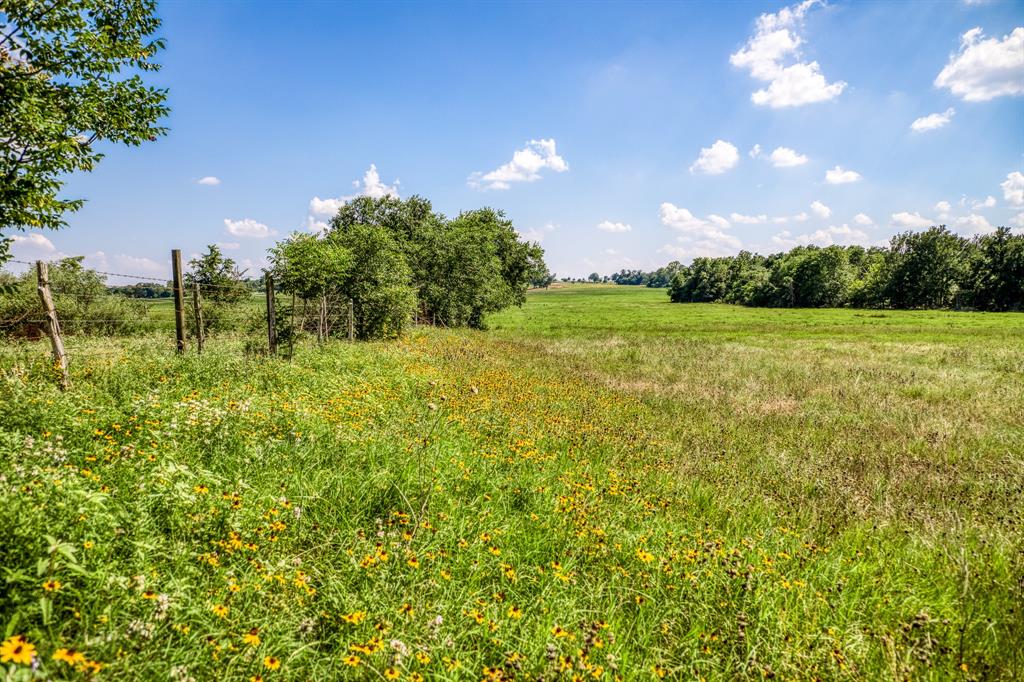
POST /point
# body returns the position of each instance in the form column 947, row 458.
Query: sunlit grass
column 604, row 485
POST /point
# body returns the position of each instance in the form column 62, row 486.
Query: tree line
column 399, row 260
column 934, row 268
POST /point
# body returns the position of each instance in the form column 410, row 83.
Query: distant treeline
column 930, row 269
column 660, row 278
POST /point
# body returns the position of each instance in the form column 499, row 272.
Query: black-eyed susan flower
column 391, row 674
column 220, row 611
column 52, row 585
column 16, row 649
column 69, row 656
column 252, row 638
column 352, row 660
column 271, row 662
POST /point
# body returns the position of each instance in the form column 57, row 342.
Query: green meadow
column 602, row 485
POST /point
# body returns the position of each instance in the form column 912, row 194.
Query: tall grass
column 603, row 486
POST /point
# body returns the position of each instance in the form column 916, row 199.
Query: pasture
column 603, row 485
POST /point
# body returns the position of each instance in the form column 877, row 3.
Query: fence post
column 60, row 358
column 179, row 300
column 271, row 331
column 197, row 310
column 351, row 323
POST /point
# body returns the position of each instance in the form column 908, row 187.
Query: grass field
column 604, row 485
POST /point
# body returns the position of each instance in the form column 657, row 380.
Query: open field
column 604, row 485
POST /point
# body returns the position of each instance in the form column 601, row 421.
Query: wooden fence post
column 60, row 358
column 351, row 322
column 197, row 310
column 271, row 316
column 179, row 300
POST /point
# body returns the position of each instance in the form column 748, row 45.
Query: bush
column 82, row 302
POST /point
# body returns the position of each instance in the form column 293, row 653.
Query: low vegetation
column 603, row 486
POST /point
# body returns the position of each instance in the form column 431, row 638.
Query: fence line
column 321, row 316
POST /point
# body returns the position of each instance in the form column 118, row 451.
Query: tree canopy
column 934, row 268
column 70, row 76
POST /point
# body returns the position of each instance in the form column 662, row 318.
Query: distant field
column 603, row 485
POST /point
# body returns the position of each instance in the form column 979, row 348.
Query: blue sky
column 585, row 123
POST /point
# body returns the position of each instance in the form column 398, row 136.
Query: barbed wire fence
column 200, row 311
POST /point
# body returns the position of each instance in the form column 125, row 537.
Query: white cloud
column 911, row 220
column 32, row 245
column 775, row 42
column 839, row 176
column 609, row 226
column 327, row 208
column 1018, row 220
column 863, row 219
column 932, row 121
column 985, row 68
column 987, row 202
column 370, row 186
column 802, row 216
column 208, row 180
column 755, row 151
column 525, row 166
column 718, row 221
column 748, row 219
column 249, row 228
column 842, row 234
column 943, row 208
column 229, row 246
column 128, row 264
column 1013, row 188
column 699, row 237
column 820, row 209
column 716, row 159
column 784, row 157
column 972, row 224
column 536, row 234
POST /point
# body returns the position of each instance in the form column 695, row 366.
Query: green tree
column 379, row 282
column 996, row 271
column 924, row 269
column 218, row 277
column 313, row 268
column 69, row 78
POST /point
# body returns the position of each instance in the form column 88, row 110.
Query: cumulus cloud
column 984, row 69
column 525, row 166
column 1013, row 188
column 943, row 208
column 972, row 224
column 716, row 159
column 987, row 202
column 370, row 186
column 784, row 157
column 820, row 209
column 208, row 180
column 840, row 176
column 229, row 246
column 748, row 219
column 863, row 219
column 32, row 245
column 755, row 151
column 698, row 236
column 932, row 121
column 248, row 228
column 609, row 226
column 911, row 220
column 841, row 234
column 536, row 234
column 772, row 55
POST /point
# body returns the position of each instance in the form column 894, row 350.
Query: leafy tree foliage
column 378, row 282
column 218, row 277
column 461, row 268
column 70, row 76
column 930, row 269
